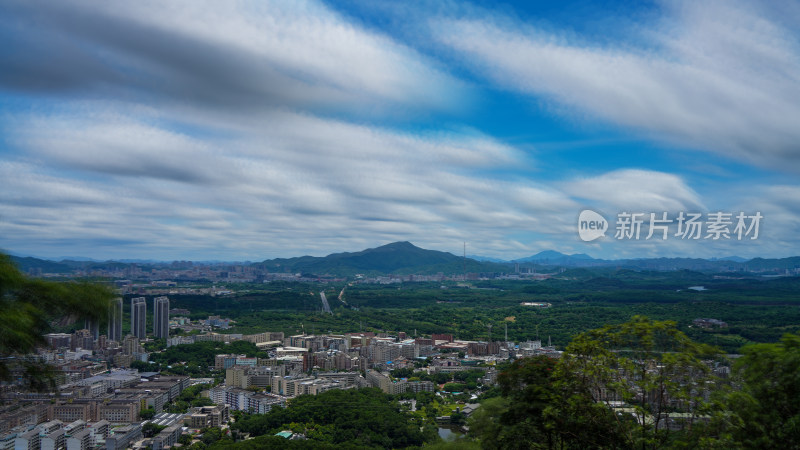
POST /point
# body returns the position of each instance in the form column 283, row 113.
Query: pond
column 449, row 434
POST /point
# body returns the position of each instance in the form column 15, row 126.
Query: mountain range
column 553, row 257
column 397, row 258
column 405, row 258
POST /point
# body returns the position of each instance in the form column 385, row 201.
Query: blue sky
column 248, row 130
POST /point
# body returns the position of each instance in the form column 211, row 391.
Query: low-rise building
column 81, row 440
column 239, row 399
column 121, row 437
column 166, row 438
column 207, row 416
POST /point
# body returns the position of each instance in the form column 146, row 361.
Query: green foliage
column 147, row 414
column 269, row 442
column 454, row 387
column 190, row 397
column 766, row 411
column 201, row 354
column 755, row 310
column 457, row 418
column 485, row 422
column 365, row 417
column 178, row 406
column 649, row 365
column 155, row 345
column 552, row 408
column 402, row 373
column 185, row 439
column 26, row 308
column 142, row 366
column 425, row 398
column 214, row 435
column 469, row 376
column 202, row 401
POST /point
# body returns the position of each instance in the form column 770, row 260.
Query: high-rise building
column 139, row 317
column 161, row 317
column 93, row 325
column 115, row 320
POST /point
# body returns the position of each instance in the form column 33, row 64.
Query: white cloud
column 289, row 174
column 634, row 190
column 241, row 54
column 122, row 146
column 189, row 130
column 717, row 76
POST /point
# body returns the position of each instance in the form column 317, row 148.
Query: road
column 325, row 306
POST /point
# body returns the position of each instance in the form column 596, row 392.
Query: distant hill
column 404, row 258
column 397, row 257
column 773, row 264
column 729, row 258
column 556, row 258
column 76, row 259
column 28, row 263
column 487, row 259
column 724, row 264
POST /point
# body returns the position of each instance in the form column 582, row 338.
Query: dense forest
column 754, row 309
column 355, row 418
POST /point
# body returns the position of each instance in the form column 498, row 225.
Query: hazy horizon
column 256, row 260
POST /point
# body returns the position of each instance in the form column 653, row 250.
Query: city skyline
column 203, row 131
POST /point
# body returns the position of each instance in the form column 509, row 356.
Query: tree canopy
column 765, row 412
column 614, row 387
column 27, row 309
column 362, row 418
column 544, row 407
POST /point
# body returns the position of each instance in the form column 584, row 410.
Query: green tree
column 362, row 418
column 651, row 366
column 27, row 308
column 155, row 345
column 143, row 366
column 185, row 439
column 485, row 421
column 425, row 398
column 214, row 435
column 202, row 401
column 147, row 413
column 441, row 377
column 765, row 413
column 178, row 406
column 543, row 407
column 454, row 387
column 402, row 373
